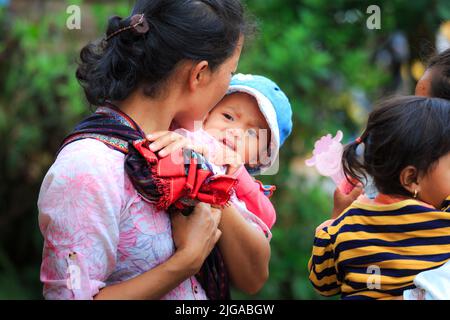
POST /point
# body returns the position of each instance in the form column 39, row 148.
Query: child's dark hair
column 178, row 30
column 440, row 80
column 403, row 131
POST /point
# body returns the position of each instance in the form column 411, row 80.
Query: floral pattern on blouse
column 97, row 230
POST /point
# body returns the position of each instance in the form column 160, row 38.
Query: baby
column 241, row 137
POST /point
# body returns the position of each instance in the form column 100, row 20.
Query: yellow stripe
column 387, row 220
column 406, row 264
column 387, row 282
column 386, row 207
column 417, row 251
column 368, row 293
column 329, row 293
column 329, row 263
column 392, row 237
column 322, row 282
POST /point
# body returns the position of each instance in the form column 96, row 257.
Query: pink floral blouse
column 97, row 230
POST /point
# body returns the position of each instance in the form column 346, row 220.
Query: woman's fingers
column 164, row 140
column 156, row 135
column 172, row 147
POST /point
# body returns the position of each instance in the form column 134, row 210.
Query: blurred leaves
column 40, row 102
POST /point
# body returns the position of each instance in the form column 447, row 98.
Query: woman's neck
column 150, row 114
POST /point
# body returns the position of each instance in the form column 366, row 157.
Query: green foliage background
column 321, row 62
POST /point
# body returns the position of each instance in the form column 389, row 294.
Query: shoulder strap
column 112, row 142
column 109, row 125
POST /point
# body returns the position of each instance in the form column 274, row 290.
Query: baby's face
column 238, row 123
column 435, row 185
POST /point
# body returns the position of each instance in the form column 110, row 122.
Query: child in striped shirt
column 375, row 248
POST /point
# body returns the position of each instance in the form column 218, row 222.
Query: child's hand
column 166, row 142
column 342, row 200
column 225, row 156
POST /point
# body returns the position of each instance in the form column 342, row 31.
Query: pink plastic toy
column 327, row 158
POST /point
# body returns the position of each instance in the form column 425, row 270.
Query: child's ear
column 409, row 179
column 199, row 75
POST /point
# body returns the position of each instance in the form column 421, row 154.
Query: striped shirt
column 375, row 248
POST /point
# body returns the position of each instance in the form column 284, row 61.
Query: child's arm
column 251, row 192
column 245, row 249
column 322, row 270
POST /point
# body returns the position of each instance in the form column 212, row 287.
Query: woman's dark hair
column 178, row 30
column 440, row 81
column 403, row 131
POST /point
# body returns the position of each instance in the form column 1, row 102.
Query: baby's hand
column 342, row 200
column 225, row 156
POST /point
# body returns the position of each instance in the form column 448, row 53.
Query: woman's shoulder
column 86, row 161
column 89, row 155
column 86, row 176
column 90, row 148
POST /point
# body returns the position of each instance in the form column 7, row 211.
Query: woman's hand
column 166, row 142
column 196, row 235
column 342, row 200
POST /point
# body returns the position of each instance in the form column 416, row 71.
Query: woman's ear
column 199, row 75
column 409, row 179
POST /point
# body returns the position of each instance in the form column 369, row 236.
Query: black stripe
column 325, row 273
column 393, row 228
column 390, row 272
column 411, row 242
column 406, row 210
column 320, row 259
column 386, row 256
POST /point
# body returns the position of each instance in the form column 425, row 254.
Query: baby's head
column 253, row 119
column 406, row 149
column 435, row 82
